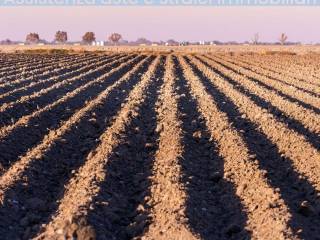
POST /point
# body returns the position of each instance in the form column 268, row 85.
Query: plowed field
column 159, row 146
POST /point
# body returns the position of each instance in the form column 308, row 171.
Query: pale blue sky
column 155, row 23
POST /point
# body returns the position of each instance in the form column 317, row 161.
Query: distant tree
column 283, row 38
column 145, row 41
column 217, row 42
column 255, row 38
column 124, row 42
column 88, row 37
column 32, row 38
column 232, row 43
column 115, row 38
column 6, row 42
column 61, row 37
column 172, row 42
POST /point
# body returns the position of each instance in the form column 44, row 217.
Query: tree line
column 282, row 39
column 62, row 37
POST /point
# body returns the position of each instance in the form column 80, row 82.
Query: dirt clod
column 306, row 209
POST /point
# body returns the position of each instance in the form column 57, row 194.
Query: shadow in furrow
column 291, row 123
column 32, row 200
column 213, row 209
column 25, row 108
column 13, row 69
column 279, row 92
column 120, row 207
column 25, row 137
column 293, row 187
column 41, row 85
column 23, row 74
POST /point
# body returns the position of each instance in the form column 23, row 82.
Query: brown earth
column 159, row 146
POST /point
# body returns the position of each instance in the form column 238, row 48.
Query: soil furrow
column 9, row 82
column 292, row 95
column 11, row 112
column 49, row 75
column 16, row 65
column 63, row 158
column 241, row 168
column 167, row 195
column 119, row 210
column 9, row 60
column 279, row 67
column 292, row 145
column 26, row 132
column 22, row 59
column 295, row 118
column 309, row 73
column 278, row 169
column 45, row 80
column 212, row 145
column 86, row 184
column 14, row 172
column 213, row 209
column 42, row 66
column 276, row 76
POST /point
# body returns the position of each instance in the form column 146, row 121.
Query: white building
column 98, row 43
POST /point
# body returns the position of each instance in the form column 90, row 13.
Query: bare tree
column 88, row 37
column 61, row 37
column 115, row 37
column 255, row 39
column 32, row 38
column 283, row 38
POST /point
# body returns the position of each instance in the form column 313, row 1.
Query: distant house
column 98, row 43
